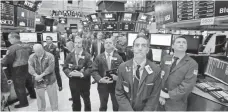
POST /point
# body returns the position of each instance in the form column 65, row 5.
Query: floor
column 63, row 98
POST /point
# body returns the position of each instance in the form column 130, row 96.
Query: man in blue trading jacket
column 53, row 49
column 77, row 67
column 17, row 56
column 104, row 62
column 179, row 73
column 139, row 84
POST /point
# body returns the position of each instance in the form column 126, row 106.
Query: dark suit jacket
column 82, row 62
column 53, row 50
column 148, row 91
column 180, row 81
column 94, row 50
column 100, row 65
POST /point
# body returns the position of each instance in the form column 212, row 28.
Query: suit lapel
column 180, row 64
column 74, row 58
column 168, row 67
column 129, row 70
column 81, row 60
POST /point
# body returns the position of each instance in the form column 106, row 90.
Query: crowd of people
column 128, row 74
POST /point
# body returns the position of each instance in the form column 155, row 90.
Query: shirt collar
column 111, row 54
column 142, row 64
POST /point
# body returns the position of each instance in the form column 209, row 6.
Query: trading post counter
column 199, row 100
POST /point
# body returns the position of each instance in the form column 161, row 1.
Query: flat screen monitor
column 157, row 54
column 143, row 17
column 109, row 16
column 94, row 18
column 53, row 35
column 161, row 39
column 55, row 43
column 131, row 37
column 28, row 37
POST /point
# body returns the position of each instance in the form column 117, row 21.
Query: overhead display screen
column 53, row 35
column 96, row 27
column 94, row 18
column 130, row 38
column 127, row 26
column 7, row 14
column 109, row 26
column 28, row 37
column 128, row 16
column 109, row 16
column 161, row 39
column 143, row 17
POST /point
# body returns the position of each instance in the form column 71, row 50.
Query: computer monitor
column 160, row 39
column 53, row 35
column 130, row 38
column 28, row 37
column 157, row 54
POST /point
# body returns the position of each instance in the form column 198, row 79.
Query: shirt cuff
column 82, row 75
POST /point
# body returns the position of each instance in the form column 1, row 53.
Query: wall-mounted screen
column 109, row 16
column 28, row 37
column 161, row 39
column 143, row 17
column 94, row 18
column 53, row 35
column 130, row 38
column 157, row 54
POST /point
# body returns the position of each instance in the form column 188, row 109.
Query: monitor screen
column 127, row 17
column 94, row 17
column 131, row 37
column 161, row 39
column 157, row 54
column 53, row 35
column 109, row 16
column 143, row 17
column 28, row 37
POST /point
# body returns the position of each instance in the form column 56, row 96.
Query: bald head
column 13, row 37
column 38, row 49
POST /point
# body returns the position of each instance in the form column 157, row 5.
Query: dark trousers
column 104, row 90
column 19, row 76
column 79, row 87
column 29, row 84
column 57, row 73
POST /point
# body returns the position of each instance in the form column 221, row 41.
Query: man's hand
column 75, row 73
column 162, row 100
column 106, row 80
column 38, row 77
column 6, row 95
column 60, row 88
column 114, row 77
column 164, row 94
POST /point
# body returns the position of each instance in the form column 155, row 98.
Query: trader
column 41, row 67
column 97, row 45
column 53, row 49
column 106, row 61
column 17, row 56
column 77, row 68
column 139, row 83
column 179, row 73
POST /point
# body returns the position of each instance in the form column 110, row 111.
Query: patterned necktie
column 109, row 61
column 174, row 63
column 136, row 81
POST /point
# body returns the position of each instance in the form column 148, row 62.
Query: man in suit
column 139, row 83
column 17, row 57
column 97, row 45
column 107, row 60
column 77, row 68
column 179, row 73
column 53, row 49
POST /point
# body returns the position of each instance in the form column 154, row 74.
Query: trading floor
column 64, row 95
